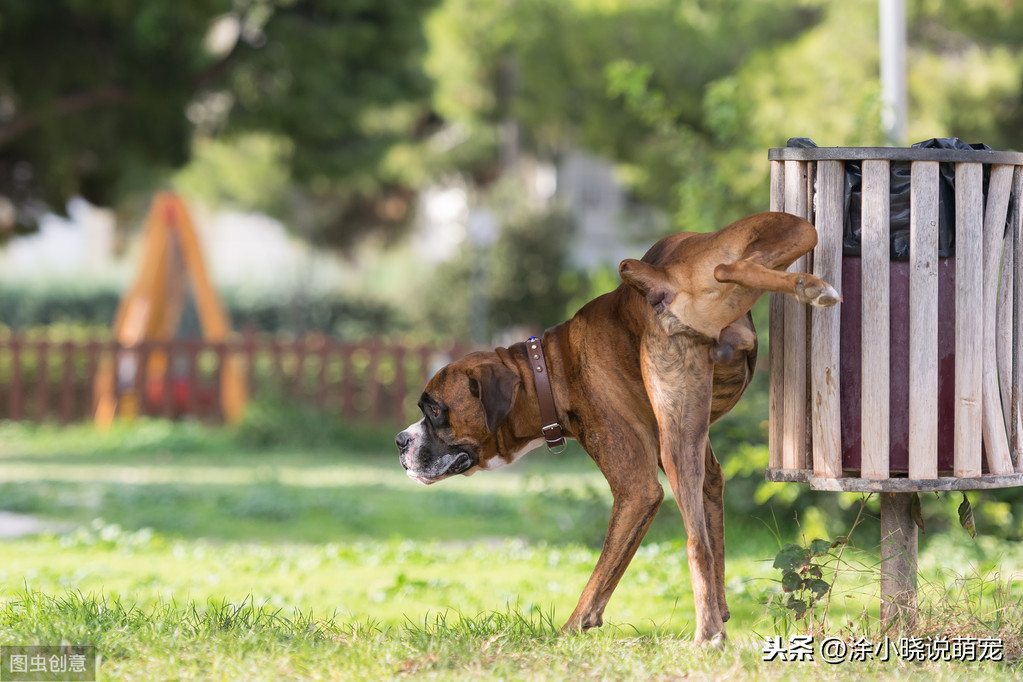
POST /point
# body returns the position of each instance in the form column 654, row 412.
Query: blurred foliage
column 276, row 423
column 250, row 171
column 24, row 307
column 99, row 100
column 346, row 317
column 524, row 280
column 332, row 113
column 544, row 63
column 341, row 316
column 686, row 98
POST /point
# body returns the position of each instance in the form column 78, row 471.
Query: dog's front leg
column 628, row 461
column 679, row 377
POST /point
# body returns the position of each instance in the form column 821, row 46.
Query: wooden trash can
column 975, row 299
column 806, row 409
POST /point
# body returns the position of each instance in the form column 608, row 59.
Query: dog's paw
column 817, row 293
column 580, row 623
column 826, row 298
column 715, row 641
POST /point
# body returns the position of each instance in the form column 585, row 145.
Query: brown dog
column 637, row 377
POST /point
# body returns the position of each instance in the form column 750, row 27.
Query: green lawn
column 182, row 554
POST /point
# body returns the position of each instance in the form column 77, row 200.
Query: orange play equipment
column 170, row 274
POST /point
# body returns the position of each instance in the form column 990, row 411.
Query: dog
column 636, row 377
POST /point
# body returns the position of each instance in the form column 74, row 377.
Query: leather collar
column 551, row 428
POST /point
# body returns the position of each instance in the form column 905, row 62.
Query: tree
column 699, row 90
column 561, row 52
column 101, row 99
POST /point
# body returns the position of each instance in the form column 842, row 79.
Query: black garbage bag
column 899, row 199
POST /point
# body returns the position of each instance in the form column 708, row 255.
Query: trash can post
column 898, row 563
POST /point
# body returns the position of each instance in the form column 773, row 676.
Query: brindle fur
column 696, row 299
column 638, row 374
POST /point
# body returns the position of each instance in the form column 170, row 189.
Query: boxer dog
column 637, row 377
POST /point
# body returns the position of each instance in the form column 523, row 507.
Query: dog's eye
column 435, row 411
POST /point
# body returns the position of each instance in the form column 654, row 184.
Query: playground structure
column 889, row 391
column 172, row 291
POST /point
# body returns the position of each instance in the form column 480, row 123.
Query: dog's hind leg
column 804, row 286
column 678, row 374
column 714, row 508
column 775, row 241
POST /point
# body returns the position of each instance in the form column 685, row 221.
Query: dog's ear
column 649, row 280
column 495, row 385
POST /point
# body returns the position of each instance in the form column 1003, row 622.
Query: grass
column 182, row 553
column 220, row 640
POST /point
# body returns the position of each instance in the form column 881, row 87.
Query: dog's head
column 465, row 409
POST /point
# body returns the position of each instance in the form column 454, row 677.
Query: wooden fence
column 45, row 380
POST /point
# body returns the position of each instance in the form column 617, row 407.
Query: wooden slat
column 776, row 341
column 42, row 380
column 875, row 320
column 969, row 318
column 321, row 376
column 301, row 352
column 777, row 186
column 811, row 184
column 91, row 367
column 375, row 389
column 193, row 349
column 794, row 397
column 140, row 354
column 249, row 350
column 167, row 407
column 279, row 383
column 1008, row 319
column 218, row 380
column 825, row 334
column 1016, row 391
column 398, row 389
column 923, row 321
column 67, row 387
column 1003, row 329
column 16, row 407
column 996, row 443
column 348, row 382
column 425, row 353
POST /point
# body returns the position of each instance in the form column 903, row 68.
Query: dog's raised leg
column 637, row 497
column 679, row 373
column 804, row 286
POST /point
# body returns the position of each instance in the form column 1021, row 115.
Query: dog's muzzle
column 425, row 467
